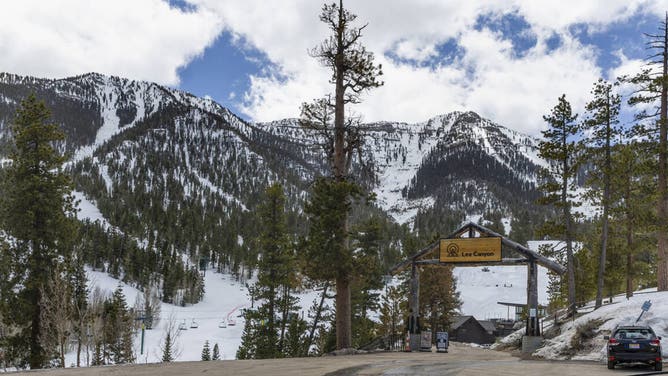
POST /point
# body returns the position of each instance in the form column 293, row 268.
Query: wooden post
column 532, row 328
column 414, row 299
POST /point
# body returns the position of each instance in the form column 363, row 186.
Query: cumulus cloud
column 487, row 77
column 150, row 40
column 141, row 39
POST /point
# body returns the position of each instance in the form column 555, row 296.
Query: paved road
column 461, row 360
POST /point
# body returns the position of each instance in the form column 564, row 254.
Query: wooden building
column 468, row 329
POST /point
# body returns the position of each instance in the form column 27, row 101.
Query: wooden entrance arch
column 512, row 253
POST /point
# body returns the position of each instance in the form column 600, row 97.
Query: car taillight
column 613, row 342
column 655, row 342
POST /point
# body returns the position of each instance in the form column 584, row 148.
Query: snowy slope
column 88, row 210
column 620, row 312
column 224, row 298
column 481, row 291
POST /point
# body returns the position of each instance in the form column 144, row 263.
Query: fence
column 392, row 342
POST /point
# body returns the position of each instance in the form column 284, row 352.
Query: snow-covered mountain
column 458, row 161
column 181, row 176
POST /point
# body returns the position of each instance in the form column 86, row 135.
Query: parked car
column 634, row 344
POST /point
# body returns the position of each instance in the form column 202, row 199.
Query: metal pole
column 143, row 327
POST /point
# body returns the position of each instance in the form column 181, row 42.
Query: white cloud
column 517, row 92
column 148, row 39
column 141, row 39
column 630, row 67
column 558, row 15
column 487, row 77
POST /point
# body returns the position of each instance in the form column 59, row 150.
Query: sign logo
column 470, row 250
column 453, row 250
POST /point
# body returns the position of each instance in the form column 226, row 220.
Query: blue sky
column 223, row 71
column 508, row 60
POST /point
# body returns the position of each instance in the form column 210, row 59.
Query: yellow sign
column 470, row 249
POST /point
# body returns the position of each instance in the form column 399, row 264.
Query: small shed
column 468, row 329
column 489, row 326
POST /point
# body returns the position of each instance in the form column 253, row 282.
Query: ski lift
column 194, row 324
column 183, row 326
column 231, row 322
column 222, row 324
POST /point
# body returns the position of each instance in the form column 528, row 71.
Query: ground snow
column 620, row 312
column 223, row 298
column 481, row 291
column 88, row 210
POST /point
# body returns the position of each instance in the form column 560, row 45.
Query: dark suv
column 633, row 344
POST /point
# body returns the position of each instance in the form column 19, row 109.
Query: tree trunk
column 79, row 351
column 629, row 240
column 606, row 204
column 569, row 232
column 62, row 352
column 343, row 324
column 343, row 319
column 662, row 237
column 629, row 275
column 36, row 359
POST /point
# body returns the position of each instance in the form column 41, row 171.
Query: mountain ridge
column 121, row 103
column 183, row 175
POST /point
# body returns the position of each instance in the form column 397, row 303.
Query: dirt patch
column 582, row 340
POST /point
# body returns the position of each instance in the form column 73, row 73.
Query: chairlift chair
column 183, row 326
column 222, row 324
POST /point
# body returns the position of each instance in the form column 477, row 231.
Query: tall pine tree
column 39, row 213
column 602, row 123
column 560, row 149
column 353, row 73
column 265, row 328
column 651, row 95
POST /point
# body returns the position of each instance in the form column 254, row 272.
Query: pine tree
column 118, row 329
column 328, row 206
column 252, row 326
column 392, row 311
column 651, row 95
column 216, row 352
column 633, row 215
column 39, row 203
column 353, row 72
column 439, row 299
column 294, row 339
column 559, row 147
column 367, row 282
column 265, row 327
column 167, row 348
column 206, row 351
column 602, row 122
column 521, row 227
column 556, row 292
column 98, row 356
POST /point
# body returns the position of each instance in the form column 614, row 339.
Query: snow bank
column 604, row 320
